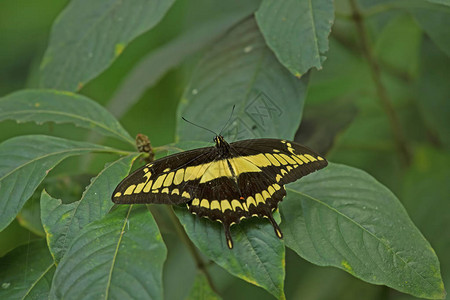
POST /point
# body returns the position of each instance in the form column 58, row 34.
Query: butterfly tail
column 277, row 229
column 226, row 227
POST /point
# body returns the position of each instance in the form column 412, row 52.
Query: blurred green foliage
column 342, row 118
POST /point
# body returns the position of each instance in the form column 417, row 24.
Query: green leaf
column 120, row 256
column 258, row 256
column 297, row 31
column 30, row 216
column 443, row 2
column 24, row 163
column 343, row 217
column 26, row 272
column 89, row 35
column 62, row 222
column 425, row 196
column 61, row 107
column 201, row 289
column 151, row 68
column 434, row 91
column 434, row 19
column 241, row 70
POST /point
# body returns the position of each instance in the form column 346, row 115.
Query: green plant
column 379, row 104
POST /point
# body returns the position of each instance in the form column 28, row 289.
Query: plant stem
column 383, row 96
column 201, row 265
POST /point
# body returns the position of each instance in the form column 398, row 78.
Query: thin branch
column 383, row 96
column 201, row 265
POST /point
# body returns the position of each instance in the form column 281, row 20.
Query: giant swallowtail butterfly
column 226, row 182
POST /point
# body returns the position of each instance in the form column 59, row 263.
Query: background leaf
column 89, row 35
column 25, row 161
column 201, row 289
column 26, row 272
column 119, row 256
column 152, row 67
column 425, row 192
column 434, row 92
column 257, row 255
column 241, row 70
column 343, row 217
column 62, row 222
column 297, row 31
column 435, row 21
column 61, row 107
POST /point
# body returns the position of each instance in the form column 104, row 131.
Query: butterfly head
column 222, row 145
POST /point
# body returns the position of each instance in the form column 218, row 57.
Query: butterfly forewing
column 166, row 180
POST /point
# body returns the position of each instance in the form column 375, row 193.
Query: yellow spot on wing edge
column 179, row 176
column 118, row 194
column 250, row 201
column 159, row 182
column 225, row 205
column 235, row 204
column 148, row 186
column 204, row 203
column 259, row 198
column 273, row 160
column 310, row 157
column 196, row 202
column 215, row 204
column 305, row 160
column 186, row 195
column 130, row 190
column 169, row 179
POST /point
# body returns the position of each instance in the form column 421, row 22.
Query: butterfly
column 227, row 182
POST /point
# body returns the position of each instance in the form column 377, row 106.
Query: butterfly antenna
column 199, row 126
column 226, row 124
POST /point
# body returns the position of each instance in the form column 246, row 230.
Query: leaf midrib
column 106, row 149
column 75, row 209
column 274, row 285
column 116, row 251
column 38, row 279
column 394, row 253
column 9, row 114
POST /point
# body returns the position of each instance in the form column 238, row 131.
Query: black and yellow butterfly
column 225, row 182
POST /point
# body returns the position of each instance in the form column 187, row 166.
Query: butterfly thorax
column 223, row 148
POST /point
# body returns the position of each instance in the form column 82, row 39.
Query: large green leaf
column 26, row 272
column 118, row 257
column 89, row 35
column 61, row 107
column 343, row 217
column 241, row 70
column 151, row 68
column 297, row 31
column 257, row 257
column 62, row 222
column 24, row 163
